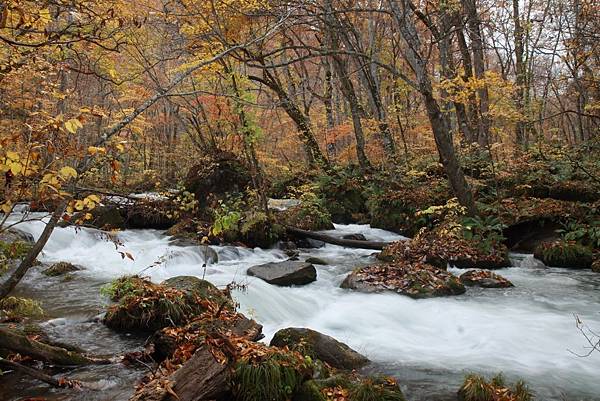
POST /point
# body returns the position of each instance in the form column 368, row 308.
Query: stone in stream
column 416, row 280
column 355, row 237
column 316, row 261
column 285, row 273
column 485, row 279
column 60, row 268
column 319, row 346
column 201, row 288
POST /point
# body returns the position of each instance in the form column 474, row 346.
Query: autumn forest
column 300, row 200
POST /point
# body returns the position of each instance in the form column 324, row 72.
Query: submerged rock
column 316, row 261
column 485, row 279
column 416, row 280
column 319, row 346
column 564, row 254
column 285, row 273
column 60, row 268
column 355, row 237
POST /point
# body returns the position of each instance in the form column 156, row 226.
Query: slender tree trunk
column 520, row 134
column 475, row 34
column 332, row 29
column 439, row 124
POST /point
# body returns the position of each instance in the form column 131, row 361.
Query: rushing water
column 527, row 331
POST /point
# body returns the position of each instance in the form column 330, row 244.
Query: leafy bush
column 582, row 233
column 485, row 231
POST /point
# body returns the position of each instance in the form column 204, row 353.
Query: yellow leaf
column 15, row 168
column 73, row 125
column 6, row 207
column 79, row 205
column 67, row 172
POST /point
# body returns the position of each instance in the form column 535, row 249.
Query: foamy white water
column 526, row 331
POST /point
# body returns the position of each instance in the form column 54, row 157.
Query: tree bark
column 349, row 243
column 42, row 352
column 439, row 124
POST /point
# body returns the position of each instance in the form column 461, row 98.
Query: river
column 525, row 332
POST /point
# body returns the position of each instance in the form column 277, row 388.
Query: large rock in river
column 319, row 346
column 285, row 273
column 485, row 279
column 416, row 280
column 194, row 286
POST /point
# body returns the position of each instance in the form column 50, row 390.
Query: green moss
column 275, row 379
column 19, row 308
column 377, row 389
column 146, row 306
column 477, row 388
column 564, row 254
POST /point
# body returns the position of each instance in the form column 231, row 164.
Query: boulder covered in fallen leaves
column 145, row 306
column 193, row 286
column 319, row 346
column 440, row 251
column 565, row 254
column 60, row 268
column 416, row 280
column 485, row 279
column 285, row 273
column 216, row 176
column 596, row 265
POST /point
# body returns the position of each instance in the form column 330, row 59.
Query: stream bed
column 429, row 345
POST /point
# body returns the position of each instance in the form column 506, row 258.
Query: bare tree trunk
column 439, row 124
column 475, row 34
column 520, row 134
column 311, row 147
column 333, row 28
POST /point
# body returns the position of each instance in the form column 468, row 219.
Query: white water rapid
column 527, row 331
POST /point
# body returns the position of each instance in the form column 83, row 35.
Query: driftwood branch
column 349, row 243
column 36, row 374
column 43, row 352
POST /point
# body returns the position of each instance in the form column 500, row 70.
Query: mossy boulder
column 416, row 280
column 565, row 254
column 485, row 279
column 306, row 217
column 201, row 288
column 319, row 346
column 258, row 230
column 60, row 268
column 216, row 176
column 145, row 306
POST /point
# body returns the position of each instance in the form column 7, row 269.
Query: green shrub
column 19, row 308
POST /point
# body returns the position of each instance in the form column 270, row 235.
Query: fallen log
column 41, row 376
column 23, row 345
column 348, row 243
column 201, row 378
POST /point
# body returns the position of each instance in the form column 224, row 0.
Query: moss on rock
column 565, row 254
column 60, row 268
